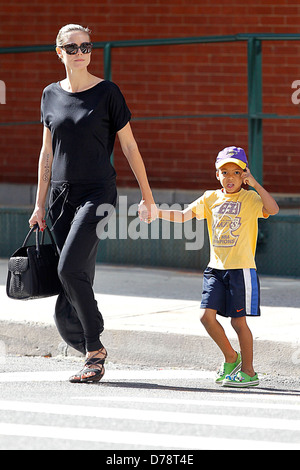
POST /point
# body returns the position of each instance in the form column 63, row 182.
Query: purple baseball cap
column 235, row 155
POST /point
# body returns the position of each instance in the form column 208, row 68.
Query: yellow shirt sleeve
column 199, row 206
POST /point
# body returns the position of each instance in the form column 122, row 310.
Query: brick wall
column 160, row 81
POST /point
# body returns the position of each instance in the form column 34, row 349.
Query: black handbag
column 32, row 270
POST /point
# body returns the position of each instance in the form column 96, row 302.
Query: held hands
column 148, row 211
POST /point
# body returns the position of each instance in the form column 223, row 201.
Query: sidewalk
column 152, row 319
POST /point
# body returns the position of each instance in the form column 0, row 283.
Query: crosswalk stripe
column 224, row 404
column 261, row 400
column 150, row 440
column 154, row 416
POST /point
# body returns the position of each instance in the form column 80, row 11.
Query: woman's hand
column 38, row 217
column 148, row 211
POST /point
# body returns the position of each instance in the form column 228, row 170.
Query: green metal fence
column 255, row 113
column 278, row 246
column 277, row 249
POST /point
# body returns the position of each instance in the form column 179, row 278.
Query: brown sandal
column 93, row 370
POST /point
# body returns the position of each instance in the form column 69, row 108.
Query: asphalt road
column 135, row 409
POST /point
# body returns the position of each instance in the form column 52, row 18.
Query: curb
column 149, row 349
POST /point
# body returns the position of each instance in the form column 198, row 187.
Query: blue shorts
column 233, row 293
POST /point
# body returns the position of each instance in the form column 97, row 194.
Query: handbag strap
column 36, row 228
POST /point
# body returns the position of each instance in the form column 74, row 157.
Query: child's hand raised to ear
column 248, row 178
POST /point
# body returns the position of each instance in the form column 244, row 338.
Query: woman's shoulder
column 50, row 88
column 112, row 86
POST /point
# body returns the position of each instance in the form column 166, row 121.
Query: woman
column 82, row 115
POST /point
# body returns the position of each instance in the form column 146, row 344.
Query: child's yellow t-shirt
column 232, row 221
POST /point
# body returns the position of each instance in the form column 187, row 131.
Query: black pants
column 76, row 229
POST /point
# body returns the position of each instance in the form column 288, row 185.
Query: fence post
column 107, row 61
column 255, row 124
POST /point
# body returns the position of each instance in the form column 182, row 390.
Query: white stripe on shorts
column 251, row 292
column 248, row 290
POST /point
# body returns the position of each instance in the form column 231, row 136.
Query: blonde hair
column 61, row 37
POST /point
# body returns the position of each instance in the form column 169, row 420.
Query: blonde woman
column 82, row 115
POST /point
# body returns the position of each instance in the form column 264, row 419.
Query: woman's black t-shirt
column 83, row 126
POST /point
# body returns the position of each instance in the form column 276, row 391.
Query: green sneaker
column 228, row 369
column 241, row 380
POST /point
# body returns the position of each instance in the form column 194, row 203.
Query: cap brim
column 221, row 163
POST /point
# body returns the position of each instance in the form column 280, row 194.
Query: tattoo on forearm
column 46, row 175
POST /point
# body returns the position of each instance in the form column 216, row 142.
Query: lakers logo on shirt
column 225, row 223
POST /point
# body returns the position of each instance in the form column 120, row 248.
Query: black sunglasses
column 72, row 49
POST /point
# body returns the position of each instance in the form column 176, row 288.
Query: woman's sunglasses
column 72, row 49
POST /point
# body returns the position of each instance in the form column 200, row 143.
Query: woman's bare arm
column 44, row 178
column 132, row 153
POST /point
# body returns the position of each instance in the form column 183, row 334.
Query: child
column 231, row 285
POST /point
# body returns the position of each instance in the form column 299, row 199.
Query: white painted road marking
column 150, row 440
column 125, row 409
column 240, row 421
column 206, row 403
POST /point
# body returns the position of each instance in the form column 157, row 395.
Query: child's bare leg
column 246, row 344
column 216, row 332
